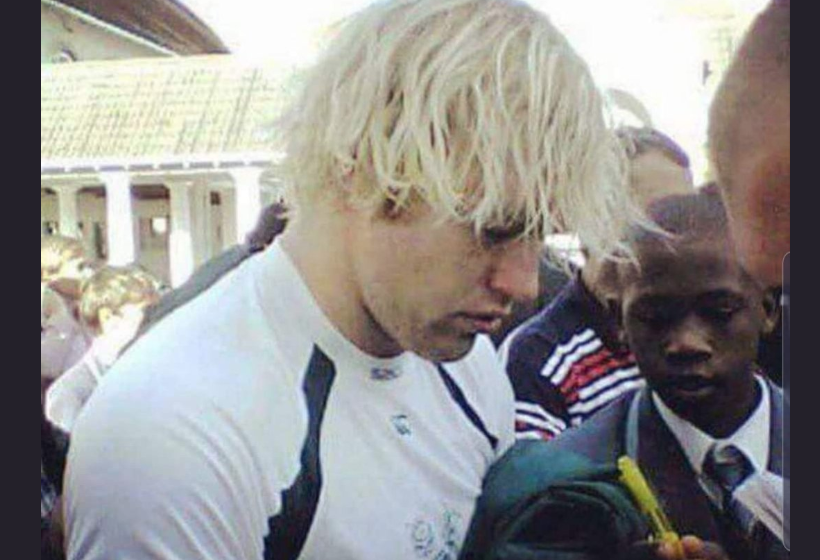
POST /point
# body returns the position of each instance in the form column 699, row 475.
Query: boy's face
column 693, row 319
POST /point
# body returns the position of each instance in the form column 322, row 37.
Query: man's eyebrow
column 500, row 233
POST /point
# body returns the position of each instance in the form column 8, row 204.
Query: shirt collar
column 752, row 437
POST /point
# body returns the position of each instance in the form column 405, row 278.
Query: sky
column 631, row 45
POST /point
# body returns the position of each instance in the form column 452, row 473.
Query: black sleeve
column 54, row 449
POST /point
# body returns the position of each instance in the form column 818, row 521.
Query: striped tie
column 729, row 467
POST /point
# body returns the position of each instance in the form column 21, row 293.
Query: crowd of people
column 392, row 367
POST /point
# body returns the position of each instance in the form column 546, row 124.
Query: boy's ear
column 771, row 309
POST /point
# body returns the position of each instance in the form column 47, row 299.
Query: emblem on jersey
column 402, row 424
column 440, row 541
column 383, row 374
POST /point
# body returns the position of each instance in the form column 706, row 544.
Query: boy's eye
column 654, row 316
column 721, row 314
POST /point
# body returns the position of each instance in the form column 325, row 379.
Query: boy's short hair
column 114, row 287
column 451, row 103
column 682, row 219
column 56, row 251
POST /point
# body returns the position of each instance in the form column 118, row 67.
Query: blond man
column 337, row 396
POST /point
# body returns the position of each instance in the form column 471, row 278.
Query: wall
column 61, row 30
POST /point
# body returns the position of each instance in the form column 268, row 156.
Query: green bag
column 540, row 503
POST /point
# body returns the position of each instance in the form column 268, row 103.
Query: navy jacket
column 604, row 438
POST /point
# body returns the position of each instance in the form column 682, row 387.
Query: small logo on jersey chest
column 438, row 540
column 383, row 374
column 402, row 424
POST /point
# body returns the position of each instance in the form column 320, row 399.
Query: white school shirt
column 762, row 492
column 245, row 426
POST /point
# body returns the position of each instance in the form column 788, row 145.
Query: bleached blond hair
column 479, row 108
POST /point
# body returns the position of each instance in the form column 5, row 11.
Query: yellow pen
column 647, row 503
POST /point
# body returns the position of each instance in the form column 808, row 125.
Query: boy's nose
column 515, row 271
column 688, row 345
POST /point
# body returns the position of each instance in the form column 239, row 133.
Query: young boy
column 566, row 363
column 112, row 307
column 707, row 424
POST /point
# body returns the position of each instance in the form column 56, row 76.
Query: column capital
column 243, row 175
column 179, row 183
column 66, row 188
column 115, row 179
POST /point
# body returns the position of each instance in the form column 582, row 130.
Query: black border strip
column 469, row 411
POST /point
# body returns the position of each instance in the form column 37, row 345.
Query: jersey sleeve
column 540, row 408
column 165, row 485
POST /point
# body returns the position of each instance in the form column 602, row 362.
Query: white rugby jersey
column 245, row 426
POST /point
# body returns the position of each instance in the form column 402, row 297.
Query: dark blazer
column 604, row 438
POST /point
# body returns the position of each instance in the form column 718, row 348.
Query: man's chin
column 447, row 350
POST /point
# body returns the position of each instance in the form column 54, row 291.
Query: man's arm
column 161, row 485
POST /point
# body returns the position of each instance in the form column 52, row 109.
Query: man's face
column 118, row 328
column 693, row 320
column 68, row 281
column 431, row 286
column 758, row 194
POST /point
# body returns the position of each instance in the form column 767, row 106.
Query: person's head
column 113, row 304
column 449, row 138
column 658, row 168
column 63, row 264
column 691, row 315
column 749, row 143
column 271, row 223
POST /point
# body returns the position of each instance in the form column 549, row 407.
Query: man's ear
column 615, row 312
column 771, row 309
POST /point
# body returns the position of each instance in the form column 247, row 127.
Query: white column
column 201, row 223
column 228, row 207
column 248, row 199
column 69, row 216
column 119, row 217
column 180, row 243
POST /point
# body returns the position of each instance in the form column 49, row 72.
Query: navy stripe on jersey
column 289, row 528
column 469, row 411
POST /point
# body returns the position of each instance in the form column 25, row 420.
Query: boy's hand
column 694, row 549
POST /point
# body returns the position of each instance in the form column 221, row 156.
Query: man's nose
column 515, row 270
column 688, row 344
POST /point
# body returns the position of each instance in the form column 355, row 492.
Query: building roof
column 164, row 22
column 202, row 108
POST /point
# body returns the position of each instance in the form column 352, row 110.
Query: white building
column 157, row 160
column 148, row 156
